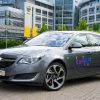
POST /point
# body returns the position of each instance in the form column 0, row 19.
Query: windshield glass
column 49, row 39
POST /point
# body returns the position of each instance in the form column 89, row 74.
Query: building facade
column 11, row 16
column 38, row 12
column 11, row 20
column 16, row 14
column 90, row 11
column 65, row 11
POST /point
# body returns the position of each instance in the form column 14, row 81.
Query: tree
column 76, row 28
column 82, row 25
column 90, row 28
column 61, row 28
column 44, row 28
column 95, row 27
column 64, row 28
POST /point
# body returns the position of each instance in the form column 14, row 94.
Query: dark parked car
column 52, row 58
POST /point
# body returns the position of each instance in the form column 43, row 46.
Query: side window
column 82, row 39
column 93, row 40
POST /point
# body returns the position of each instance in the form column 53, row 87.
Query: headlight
column 28, row 60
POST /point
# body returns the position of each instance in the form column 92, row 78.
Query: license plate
column 2, row 73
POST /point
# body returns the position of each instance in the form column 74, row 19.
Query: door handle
column 89, row 52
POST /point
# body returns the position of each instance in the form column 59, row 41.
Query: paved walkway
column 81, row 89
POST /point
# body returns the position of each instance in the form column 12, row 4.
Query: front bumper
column 25, row 73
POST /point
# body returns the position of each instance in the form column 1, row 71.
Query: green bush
column 10, row 43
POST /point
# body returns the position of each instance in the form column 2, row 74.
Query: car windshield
column 49, row 39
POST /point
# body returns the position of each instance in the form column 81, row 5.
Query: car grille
column 7, row 62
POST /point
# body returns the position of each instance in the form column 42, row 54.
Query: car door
column 80, row 58
column 94, row 44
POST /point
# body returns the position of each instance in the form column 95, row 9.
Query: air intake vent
column 7, row 62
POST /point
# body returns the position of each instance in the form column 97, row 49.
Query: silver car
column 52, row 58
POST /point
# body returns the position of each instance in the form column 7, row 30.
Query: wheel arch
column 61, row 62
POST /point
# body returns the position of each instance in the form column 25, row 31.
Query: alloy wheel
column 55, row 76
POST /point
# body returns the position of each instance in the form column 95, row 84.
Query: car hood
column 27, row 51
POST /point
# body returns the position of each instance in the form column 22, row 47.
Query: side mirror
column 75, row 45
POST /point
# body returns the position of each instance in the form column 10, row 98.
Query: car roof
column 74, row 32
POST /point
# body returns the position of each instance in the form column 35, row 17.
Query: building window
column 68, row 1
column 50, row 27
column 59, row 14
column 38, row 11
column 38, row 19
column 2, row 13
column 44, row 5
column 67, row 21
column 91, row 19
column 14, row 22
column 67, row 14
column 68, row 7
column 50, row 7
column 44, row 20
column 37, row 3
column 14, row 15
column 91, row 10
column 44, row 13
column 98, row 8
column 84, row 12
column 50, row 14
column 50, row 21
column 58, row 20
column 98, row 17
column 58, row 7
column 59, row 2
column 7, row 1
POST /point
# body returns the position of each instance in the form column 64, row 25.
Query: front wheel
column 55, row 76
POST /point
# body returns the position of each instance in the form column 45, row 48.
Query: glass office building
column 65, row 13
column 21, row 13
column 7, row 1
column 90, row 11
column 13, row 16
column 11, row 20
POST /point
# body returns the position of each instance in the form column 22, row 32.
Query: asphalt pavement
column 80, row 89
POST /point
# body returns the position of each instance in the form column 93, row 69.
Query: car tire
column 55, row 77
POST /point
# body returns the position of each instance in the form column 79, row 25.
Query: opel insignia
column 52, row 58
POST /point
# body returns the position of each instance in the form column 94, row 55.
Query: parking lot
column 81, row 89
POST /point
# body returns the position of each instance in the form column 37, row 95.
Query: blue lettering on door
column 84, row 60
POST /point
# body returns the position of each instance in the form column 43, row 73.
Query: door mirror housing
column 75, row 45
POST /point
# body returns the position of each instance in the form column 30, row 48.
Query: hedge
column 10, row 43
